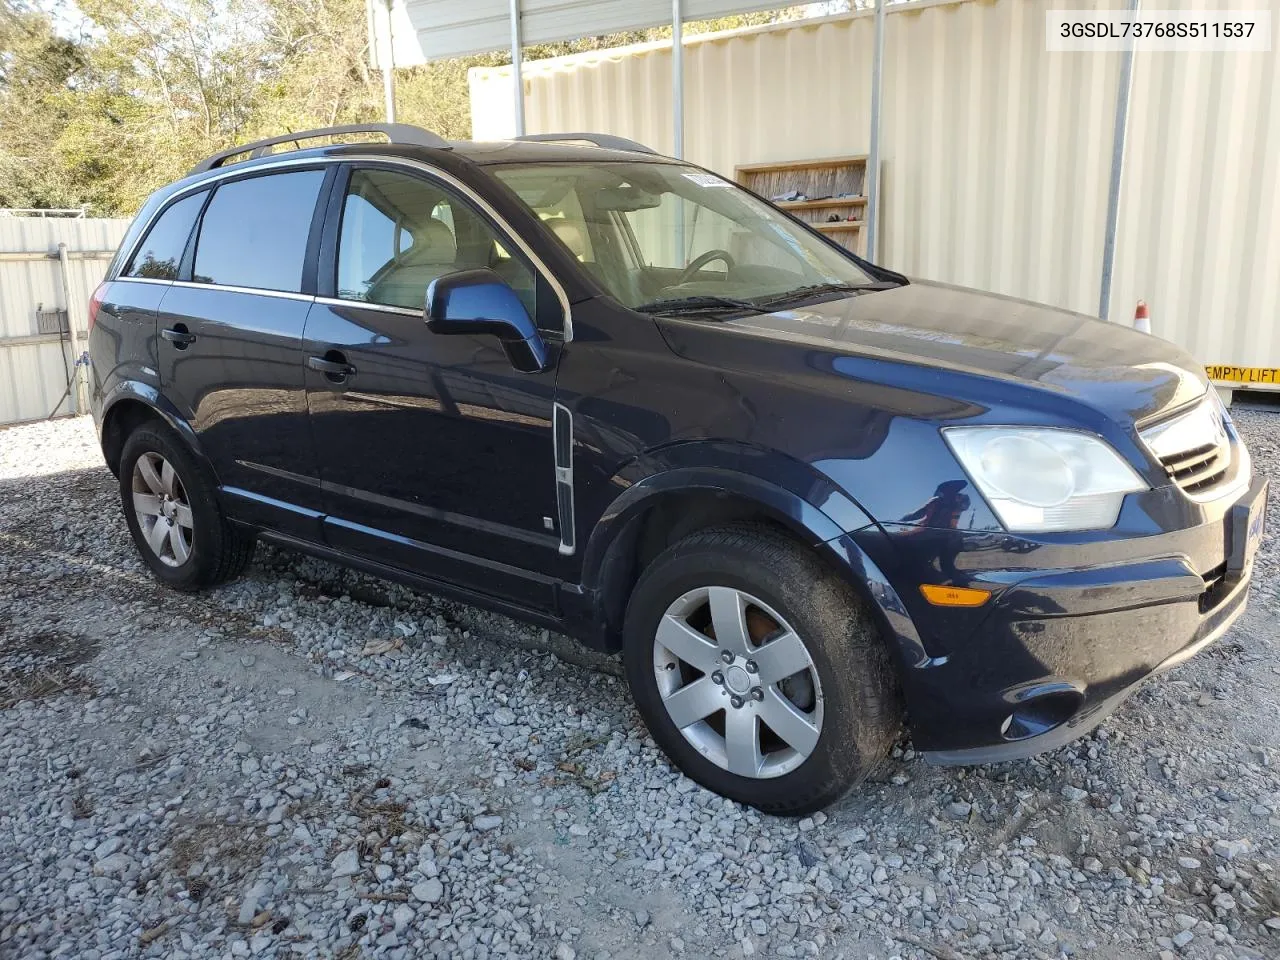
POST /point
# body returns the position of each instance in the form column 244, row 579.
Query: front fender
column 793, row 493
column 801, row 517
column 854, row 547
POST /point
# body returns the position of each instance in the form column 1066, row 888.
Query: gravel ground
column 310, row 762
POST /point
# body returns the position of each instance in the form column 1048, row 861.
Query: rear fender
column 138, row 392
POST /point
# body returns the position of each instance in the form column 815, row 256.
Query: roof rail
column 599, row 139
column 395, row 132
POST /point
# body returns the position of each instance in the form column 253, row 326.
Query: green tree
column 38, row 73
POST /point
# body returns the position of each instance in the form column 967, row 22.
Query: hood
column 1124, row 373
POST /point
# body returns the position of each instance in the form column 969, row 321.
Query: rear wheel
column 757, row 670
column 172, row 511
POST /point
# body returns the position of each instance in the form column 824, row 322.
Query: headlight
column 1039, row 479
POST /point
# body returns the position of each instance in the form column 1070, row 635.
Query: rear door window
column 254, row 232
column 160, row 255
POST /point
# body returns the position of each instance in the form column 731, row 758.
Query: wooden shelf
column 828, row 178
column 819, row 204
column 849, row 161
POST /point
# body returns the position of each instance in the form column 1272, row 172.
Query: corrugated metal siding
column 1199, row 233
column 996, row 153
column 43, row 234
column 32, row 371
column 32, row 378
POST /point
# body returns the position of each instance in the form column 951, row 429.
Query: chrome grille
column 1194, row 447
column 1199, row 468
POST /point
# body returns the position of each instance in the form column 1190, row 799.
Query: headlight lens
column 1039, row 479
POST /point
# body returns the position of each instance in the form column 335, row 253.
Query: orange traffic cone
column 1141, row 318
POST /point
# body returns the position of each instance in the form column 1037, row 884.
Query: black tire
column 219, row 551
column 862, row 712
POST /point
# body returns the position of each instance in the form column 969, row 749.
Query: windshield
column 661, row 236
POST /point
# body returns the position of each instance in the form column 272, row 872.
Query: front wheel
column 757, row 670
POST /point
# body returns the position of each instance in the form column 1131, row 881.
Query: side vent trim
column 562, row 437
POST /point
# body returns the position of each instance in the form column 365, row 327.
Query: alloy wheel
column 163, row 511
column 738, row 682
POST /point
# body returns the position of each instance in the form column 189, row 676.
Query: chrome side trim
column 365, row 305
column 228, row 288
column 234, row 173
column 406, row 506
column 151, row 280
column 301, row 478
column 256, row 291
column 562, row 446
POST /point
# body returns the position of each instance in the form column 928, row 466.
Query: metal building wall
column 33, row 366
column 996, row 153
column 1199, row 231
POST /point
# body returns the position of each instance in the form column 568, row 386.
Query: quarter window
column 160, row 256
column 254, row 232
column 400, row 232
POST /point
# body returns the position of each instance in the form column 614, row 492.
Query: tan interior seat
column 572, row 235
column 433, row 254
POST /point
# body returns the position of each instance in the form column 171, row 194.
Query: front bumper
column 1055, row 651
column 1091, row 707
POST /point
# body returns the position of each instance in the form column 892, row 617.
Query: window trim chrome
column 221, row 287
column 231, row 288
column 232, row 173
column 155, row 280
column 367, row 305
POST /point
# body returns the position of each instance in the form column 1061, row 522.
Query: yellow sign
column 1222, row 372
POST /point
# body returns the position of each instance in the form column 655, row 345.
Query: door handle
column 333, row 365
column 179, row 336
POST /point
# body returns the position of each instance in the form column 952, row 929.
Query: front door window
column 400, row 232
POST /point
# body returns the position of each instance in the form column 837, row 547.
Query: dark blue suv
column 608, row 392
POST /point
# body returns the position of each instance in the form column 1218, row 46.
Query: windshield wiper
column 817, row 289
column 697, row 304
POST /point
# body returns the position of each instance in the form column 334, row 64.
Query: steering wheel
column 702, row 260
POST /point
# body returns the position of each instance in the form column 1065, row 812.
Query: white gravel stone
column 346, row 863
column 402, row 916
column 114, row 865
column 428, row 891
column 1230, row 849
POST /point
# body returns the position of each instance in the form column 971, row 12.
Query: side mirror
column 480, row 302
